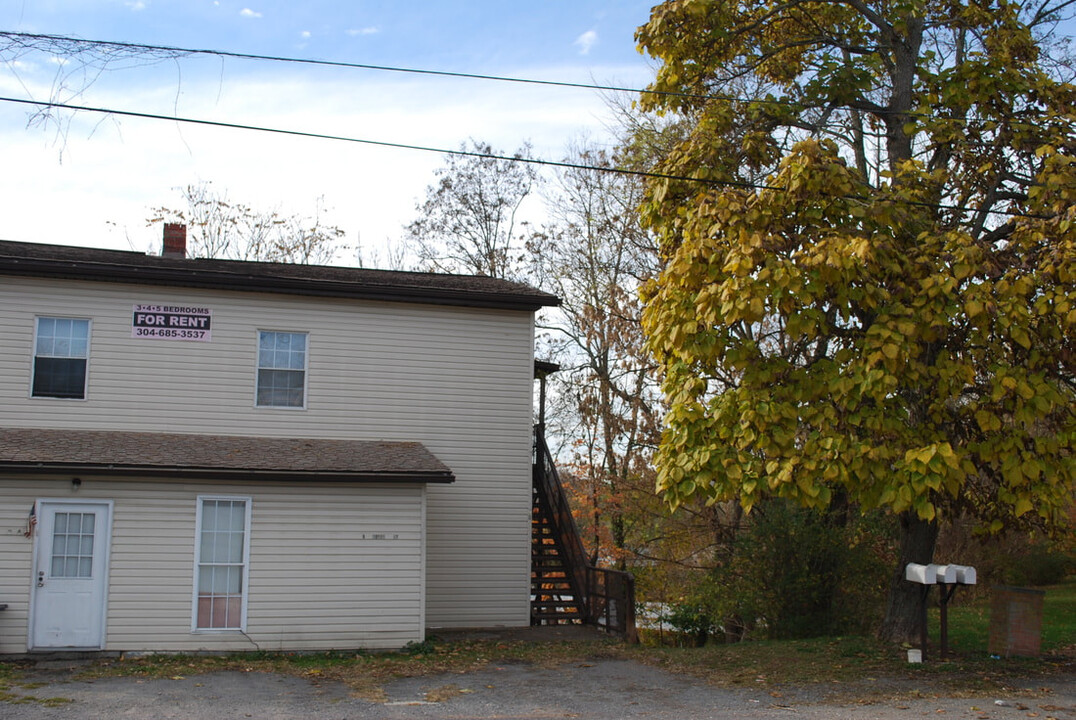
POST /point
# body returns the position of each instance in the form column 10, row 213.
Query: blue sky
column 479, row 35
column 94, row 182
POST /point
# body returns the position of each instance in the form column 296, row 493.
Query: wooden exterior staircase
column 566, row 587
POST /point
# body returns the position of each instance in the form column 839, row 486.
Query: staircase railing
column 610, row 601
column 608, row 595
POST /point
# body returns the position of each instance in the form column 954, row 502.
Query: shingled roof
column 120, row 266
column 99, row 452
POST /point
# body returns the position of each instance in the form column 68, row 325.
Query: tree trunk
column 917, row 539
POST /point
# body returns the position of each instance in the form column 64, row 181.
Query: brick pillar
column 175, row 240
column 1016, row 621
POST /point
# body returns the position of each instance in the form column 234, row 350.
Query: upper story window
column 61, row 348
column 281, row 369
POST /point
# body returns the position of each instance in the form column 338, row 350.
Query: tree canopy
column 223, row 228
column 468, row 222
column 593, row 255
column 869, row 283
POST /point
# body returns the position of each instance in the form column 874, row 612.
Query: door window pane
column 72, row 545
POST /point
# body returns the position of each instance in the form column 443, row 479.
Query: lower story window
column 221, row 563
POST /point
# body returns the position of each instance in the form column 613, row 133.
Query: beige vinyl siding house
column 440, row 366
column 318, row 577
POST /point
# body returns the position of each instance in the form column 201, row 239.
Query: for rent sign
column 172, row 322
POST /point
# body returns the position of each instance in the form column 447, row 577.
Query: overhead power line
column 29, row 39
column 470, row 153
column 380, row 143
column 181, row 51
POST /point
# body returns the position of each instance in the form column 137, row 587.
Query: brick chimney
column 175, row 241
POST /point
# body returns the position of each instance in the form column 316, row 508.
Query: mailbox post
column 947, row 578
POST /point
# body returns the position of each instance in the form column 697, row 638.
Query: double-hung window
column 221, row 563
column 61, row 349
column 281, row 369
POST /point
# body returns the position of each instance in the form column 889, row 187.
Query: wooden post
column 947, row 592
column 923, row 621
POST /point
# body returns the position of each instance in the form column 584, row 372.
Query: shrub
column 693, row 620
column 797, row 573
column 1039, row 565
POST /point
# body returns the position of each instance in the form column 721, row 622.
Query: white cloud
column 136, row 5
column 363, row 31
column 371, row 205
column 586, row 41
column 247, row 12
column 305, row 34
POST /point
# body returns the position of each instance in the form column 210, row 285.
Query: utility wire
column 383, row 143
column 178, row 51
column 488, row 156
column 341, row 64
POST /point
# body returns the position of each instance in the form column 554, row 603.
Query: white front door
column 70, row 574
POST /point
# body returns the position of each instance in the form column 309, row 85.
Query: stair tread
column 555, row 597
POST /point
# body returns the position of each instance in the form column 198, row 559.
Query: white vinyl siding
column 458, row 380
column 338, row 566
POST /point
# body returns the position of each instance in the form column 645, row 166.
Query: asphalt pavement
column 603, row 689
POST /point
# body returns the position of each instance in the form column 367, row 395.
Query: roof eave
column 202, row 278
column 237, row 474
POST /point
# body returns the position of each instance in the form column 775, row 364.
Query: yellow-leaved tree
column 869, row 261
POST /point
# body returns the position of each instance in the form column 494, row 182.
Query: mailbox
column 946, row 574
column 922, row 574
column 965, row 574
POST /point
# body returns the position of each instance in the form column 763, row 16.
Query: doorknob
column 41, row 578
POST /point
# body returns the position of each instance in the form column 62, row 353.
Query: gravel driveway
column 592, row 690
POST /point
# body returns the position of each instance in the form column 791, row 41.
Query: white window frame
column 34, row 356
column 197, row 564
column 258, row 369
